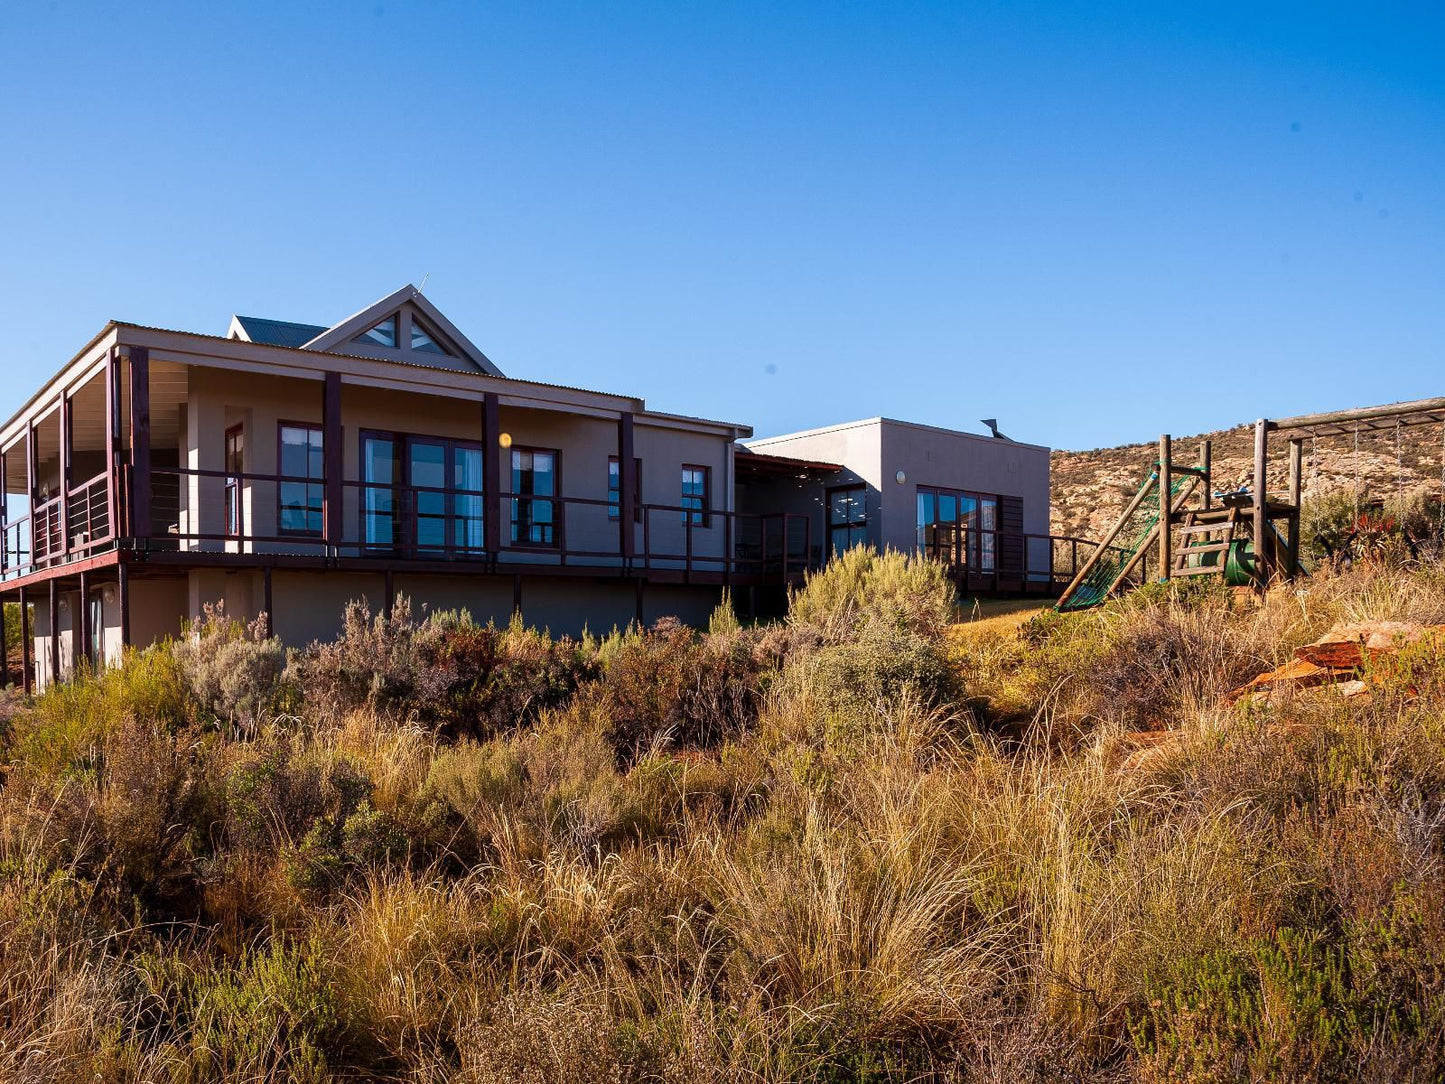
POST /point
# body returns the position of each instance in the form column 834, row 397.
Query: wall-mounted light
column 107, row 595
column 900, row 477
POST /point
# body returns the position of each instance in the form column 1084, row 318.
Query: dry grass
column 895, row 890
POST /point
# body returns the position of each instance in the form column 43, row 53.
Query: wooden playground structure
column 1180, row 524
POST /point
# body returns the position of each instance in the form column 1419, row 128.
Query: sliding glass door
column 423, row 495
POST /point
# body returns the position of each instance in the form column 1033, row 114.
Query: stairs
column 1204, row 534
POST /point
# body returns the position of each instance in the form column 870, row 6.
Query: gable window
column 235, row 466
column 534, row 483
column 847, row 518
column 614, row 490
column 695, row 495
column 424, row 341
column 383, row 334
column 302, row 497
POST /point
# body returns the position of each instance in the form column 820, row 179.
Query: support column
column 638, row 616
column 112, row 414
column 122, row 593
column 517, row 594
column 331, row 456
column 1166, row 535
column 82, row 621
column 266, row 600
column 4, row 644
column 27, row 671
column 140, row 442
column 65, row 472
column 626, row 486
column 1296, row 486
column 36, row 542
column 4, row 518
column 1263, row 568
column 54, row 601
column 492, row 455
column 388, row 592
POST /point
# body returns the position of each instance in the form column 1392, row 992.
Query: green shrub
column 862, row 587
column 232, row 670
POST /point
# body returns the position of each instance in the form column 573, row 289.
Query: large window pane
column 467, row 531
column 534, row 476
column 378, row 465
column 302, row 456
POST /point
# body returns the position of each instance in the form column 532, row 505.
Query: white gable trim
column 338, row 338
column 237, row 330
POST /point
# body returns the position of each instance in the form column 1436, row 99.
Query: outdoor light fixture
column 900, row 477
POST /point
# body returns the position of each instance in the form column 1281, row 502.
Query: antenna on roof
column 422, row 287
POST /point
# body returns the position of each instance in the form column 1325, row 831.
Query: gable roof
column 450, row 349
column 460, row 353
column 258, row 329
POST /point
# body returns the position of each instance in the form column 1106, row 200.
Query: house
column 979, row 503
column 287, row 468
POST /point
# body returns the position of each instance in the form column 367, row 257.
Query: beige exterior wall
column 220, row 398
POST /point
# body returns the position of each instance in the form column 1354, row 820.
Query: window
column 847, row 518
column 423, row 340
column 534, row 480
column 302, row 457
column 235, row 466
column 614, row 489
column 957, row 527
column 383, row 334
column 695, row 495
column 421, row 492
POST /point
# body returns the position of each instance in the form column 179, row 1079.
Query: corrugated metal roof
column 279, row 332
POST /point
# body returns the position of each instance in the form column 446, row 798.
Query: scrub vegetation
column 862, row 844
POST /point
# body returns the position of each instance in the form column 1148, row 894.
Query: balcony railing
column 210, row 511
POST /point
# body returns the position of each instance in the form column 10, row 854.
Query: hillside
column 864, row 846
column 1090, row 488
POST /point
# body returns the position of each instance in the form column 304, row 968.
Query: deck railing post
column 1166, row 499
column 1262, row 569
column 27, row 679
column 112, row 407
column 140, row 442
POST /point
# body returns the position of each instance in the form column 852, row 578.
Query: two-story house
column 288, row 468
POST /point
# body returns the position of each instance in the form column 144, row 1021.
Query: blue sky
column 1095, row 222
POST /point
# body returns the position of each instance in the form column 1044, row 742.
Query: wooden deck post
column 492, row 455
column 266, row 600
column 122, row 593
column 626, row 486
column 1262, row 564
column 332, row 457
column 1296, row 485
column 82, row 621
column 4, row 644
column 140, row 442
column 112, row 414
column 54, row 602
column 26, row 646
column 65, row 473
column 1166, row 550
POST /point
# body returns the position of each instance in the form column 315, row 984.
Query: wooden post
column 26, row 647
column 122, row 591
column 626, row 486
column 140, row 442
column 4, row 645
column 31, row 466
column 389, row 587
column 266, row 600
column 65, row 475
column 54, row 602
column 1206, row 464
column 4, row 517
column 492, row 455
column 1166, row 550
column 1296, row 483
column 331, row 458
column 1103, row 546
column 1262, row 569
column 82, row 620
column 637, row 613
column 112, row 408
column 517, row 594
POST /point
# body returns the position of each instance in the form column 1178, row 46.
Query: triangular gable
column 404, row 326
